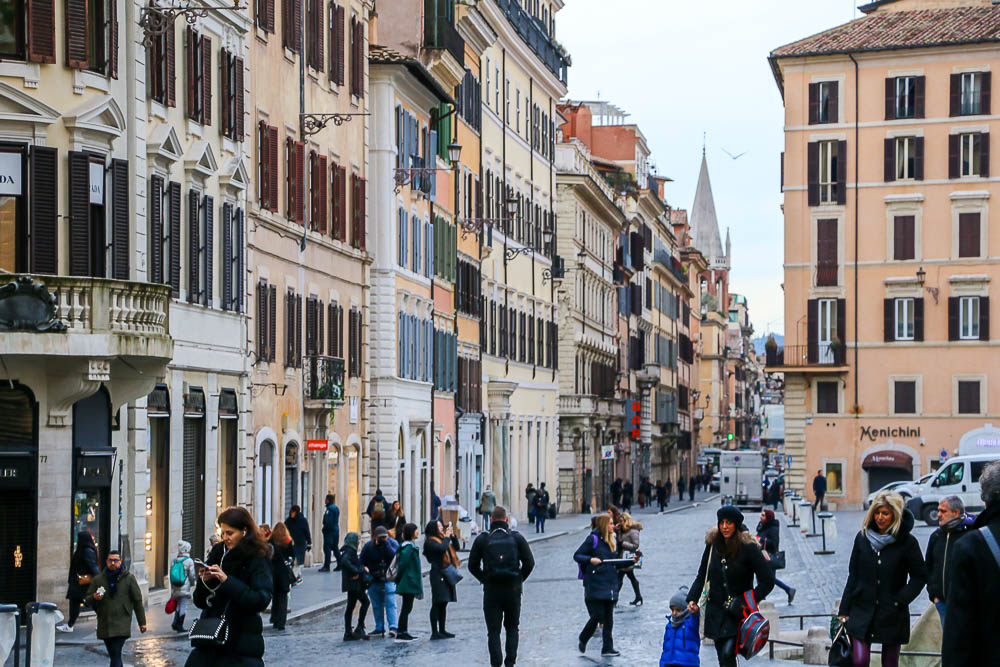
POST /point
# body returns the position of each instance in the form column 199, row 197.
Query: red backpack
column 755, row 629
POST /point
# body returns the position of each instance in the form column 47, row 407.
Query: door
column 291, row 477
column 228, row 464
column 353, row 483
column 827, row 329
column 265, row 482
column 158, row 509
column 193, row 500
column 18, row 536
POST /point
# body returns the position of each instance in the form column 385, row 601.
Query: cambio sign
column 10, row 174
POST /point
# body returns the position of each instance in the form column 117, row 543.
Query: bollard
column 815, row 650
column 794, row 502
column 824, row 517
column 10, row 633
column 41, row 633
column 770, row 612
column 787, row 501
column 805, row 515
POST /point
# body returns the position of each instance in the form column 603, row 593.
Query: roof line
column 894, row 47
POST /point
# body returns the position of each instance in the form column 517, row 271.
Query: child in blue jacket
column 681, row 643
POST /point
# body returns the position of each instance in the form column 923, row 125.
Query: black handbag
column 211, row 631
column 452, row 575
column 840, row 651
column 778, row 560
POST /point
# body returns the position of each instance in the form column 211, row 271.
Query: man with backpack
column 378, row 510
column 501, row 560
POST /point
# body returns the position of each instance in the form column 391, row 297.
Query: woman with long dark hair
column 82, row 570
column 440, row 545
column 282, row 553
column 235, row 584
column 395, row 521
column 729, row 564
column 408, row 579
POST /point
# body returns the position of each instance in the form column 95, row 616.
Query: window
column 908, row 97
column 337, row 44
column 265, row 15
column 968, row 397
column 827, row 398
column 267, row 153
column 834, row 473
column 291, row 24
column 517, row 111
column 904, row 319
column 317, row 192
column 359, row 230
column 970, row 154
column 338, row 190
column 295, row 163
column 402, row 233
column 823, row 102
column 162, row 67
column 232, row 257
column 953, row 474
column 506, row 97
column 906, row 158
column 905, row 397
column 968, row 318
column 267, row 304
column 231, row 90
column 314, row 34
column 969, row 235
column 354, row 323
column 827, row 172
column 972, row 92
column 358, row 57
column 826, row 252
column 199, row 76
column 293, row 329
column 12, row 24
column 903, row 237
column 486, row 83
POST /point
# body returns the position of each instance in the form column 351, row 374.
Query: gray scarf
column 678, row 620
column 878, row 540
column 954, row 523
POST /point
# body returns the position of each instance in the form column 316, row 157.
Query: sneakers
column 405, row 637
column 436, row 636
column 62, row 627
column 791, row 595
column 377, row 633
column 610, row 653
column 392, row 633
column 447, row 635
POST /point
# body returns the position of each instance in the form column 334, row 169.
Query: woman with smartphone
column 234, row 584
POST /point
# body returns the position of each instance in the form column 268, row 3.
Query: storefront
column 93, row 466
column 887, row 466
column 193, row 487
column 159, row 549
column 18, row 494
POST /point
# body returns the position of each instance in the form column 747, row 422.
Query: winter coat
column 739, row 572
column 352, row 572
column 281, row 574
column 377, row 557
column 769, row 536
column 331, row 526
column 630, row 539
column 408, row 576
column 542, row 502
column 298, row 528
column 819, row 485
column 940, row 553
column 247, row 591
column 600, row 582
column 530, row 497
column 881, row 586
column 526, row 561
column 190, row 576
column 681, row 486
column 487, row 502
column 84, row 561
column 440, row 552
column 114, row 614
column 396, row 525
column 681, row 646
column 973, row 616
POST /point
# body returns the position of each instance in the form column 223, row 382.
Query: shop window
column 827, row 397
column 13, row 220
column 834, row 473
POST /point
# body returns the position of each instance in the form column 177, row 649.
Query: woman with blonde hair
column 600, row 582
column 886, row 573
column 629, row 531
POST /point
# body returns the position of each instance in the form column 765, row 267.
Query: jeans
column 601, row 611
column 115, row 646
column 861, row 654
column 330, row 549
column 404, row 612
column 180, row 612
column 502, row 605
column 486, row 521
column 354, row 597
column 818, row 505
column 279, row 610
column 782, row 585
column 540, row 516
column 383, row 597
column 941, row 606
column 300, row 553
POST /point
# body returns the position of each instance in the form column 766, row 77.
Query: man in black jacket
column 973, row 615
column 941, row 548
column 501, row 560
column 819, row 488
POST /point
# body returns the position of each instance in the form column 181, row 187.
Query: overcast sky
column 686, row 68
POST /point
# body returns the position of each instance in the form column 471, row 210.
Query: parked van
column 742, row 473
column 956, row 477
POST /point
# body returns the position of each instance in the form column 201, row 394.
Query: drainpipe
column 857, row 188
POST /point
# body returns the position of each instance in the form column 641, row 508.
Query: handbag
column 840, row 651
column 452, row 575
column 210, row 632
column 393, row 570
column 171, row 606
column 778, row 560
column 754, row 629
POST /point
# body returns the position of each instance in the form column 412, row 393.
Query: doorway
column 228, row 458
column 291, row 476
column 265, row 482
column 18, row 494
column 353, row 484
column 158, row 507
column 193, row 486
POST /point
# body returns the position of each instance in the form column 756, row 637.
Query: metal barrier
column 823, row 516
column 781, row 642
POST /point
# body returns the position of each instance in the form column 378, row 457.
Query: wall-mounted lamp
column 218, row 498
column 921, row 274
column 149, row 541
column 149, row 506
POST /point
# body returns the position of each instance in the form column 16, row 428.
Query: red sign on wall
column 317, row 445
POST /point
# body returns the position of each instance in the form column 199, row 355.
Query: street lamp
column 454, row 152
column 406, row 175
column 475, row 225
column 921, row 274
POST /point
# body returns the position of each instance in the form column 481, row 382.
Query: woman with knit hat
column 731, row 560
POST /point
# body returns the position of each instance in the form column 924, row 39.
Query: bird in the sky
column 735, row 157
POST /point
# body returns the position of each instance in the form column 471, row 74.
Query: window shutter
column 240, row 92
column 300, row 180
column 76, row 34
column 155, row 272
column 227, row 256
column 313, row 190
column 297, row 26
column 919, row 88
column 840, row 354
column 812, row 172
column 321, row 181
column 918, row 158
column 319, row 327
column 190, row 53
column 171, row 57
column 272, row 154
column 269, row 21
column 261, row 321
column 813, row 103
column 119, row 220
column 174, row 201
column 968, row 234
column 889, row 320
column 226, row 121
column 289, row 329
column 239, row 262
column 918, row 319
column 890, row 98
column 311, row 325
column 953, row 305
column 889, row 158
column 984, row 154
column 273, row 321
column 953, row 155
column 79, row 214
column 113, row 38
column 984, row 318
column 319, row 32
column 264, row 160
column 44, row 210
column 955, row 98
column 209, row 207
column 206, row 80
column 984, row 93
column 339, row 43
column 842, row 172
column 834, row 88
column 194, row 246
column 41, row 31
column 812, row 326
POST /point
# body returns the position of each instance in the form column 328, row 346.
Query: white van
column 956, row 477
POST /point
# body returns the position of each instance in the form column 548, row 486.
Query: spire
column 705, row 222
column 728, row 256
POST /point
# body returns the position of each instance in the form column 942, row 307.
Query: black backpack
column 502, row 558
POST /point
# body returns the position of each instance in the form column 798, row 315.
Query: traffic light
column 730, row 437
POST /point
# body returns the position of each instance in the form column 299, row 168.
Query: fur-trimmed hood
column 714, row 537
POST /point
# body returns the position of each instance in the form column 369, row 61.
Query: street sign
column 789, row 458
column 317, row 445
column 607, row 452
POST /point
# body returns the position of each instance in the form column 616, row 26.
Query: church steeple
column 705, row 222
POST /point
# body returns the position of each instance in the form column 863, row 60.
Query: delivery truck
column 742, row 478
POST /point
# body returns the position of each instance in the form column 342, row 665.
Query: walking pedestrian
column 529, row 495
column 972, row 615
column 681, row 642
column 769, row 536
column 114, row 594
column 282, row 556
column 182, row 581
column 395, row 523
column 541, row 508
column 661, row 495
column 630, row 549
column 642, row 493
column 729, row 564
column 409, row 584
column 82, row 570
column 501, row 560
column 435, row 508
column 235, row 584
column 886, row 573
column 616, row 491
column 954, row 524
column 600, row 584
column 331, row 533
column 681, row 487
column 487, row 501
column 669, row 486
column 377, row 508
column 376, row 557
column 627, row 496
column 819, row 490
column 298, row 528
column 440, row 546
column 354, row 580
column 691, row 488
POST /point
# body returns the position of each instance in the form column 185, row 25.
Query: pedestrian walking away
column 82, row 570
column 954, row 523
column 331, row 533
column 182, row 582
column 529, row 494
column 376, row 556
column 681, row 642
column 769, row 536
column 731, row 561
column 691, row 488
column 282, row 555
column 616, row 492
column 354, row 580
column 487, row 501
column 298, row 528
column 661, row 494
column 627, row 496
column 819, row 490
column 235, row 585
column 886, row 573
column 501, row 561
column 600, row 583
column 630, row 549
column 440, row 547
column 541, row 508
column 114, row 594
column 669, row 487
column 409, row 583
column 378, row 507
column 680, row 487
column 973, row 615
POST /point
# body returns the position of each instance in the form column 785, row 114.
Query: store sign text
column 873, row 433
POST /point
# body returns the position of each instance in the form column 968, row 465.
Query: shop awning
column 889, row 459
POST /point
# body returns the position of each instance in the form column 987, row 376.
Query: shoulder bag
column 754, row 628
column 450, row 572
column 210, row 632
column 840, row 651
column 991, row 542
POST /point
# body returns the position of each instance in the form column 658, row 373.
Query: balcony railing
column 323, row 378
column 535, row 36
column 796, row 356
column 96, row 305
column 439, row 29
column 826, row 275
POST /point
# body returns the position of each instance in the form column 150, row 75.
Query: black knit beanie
column 731, row 513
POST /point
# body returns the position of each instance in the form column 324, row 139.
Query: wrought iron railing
column 323, row 378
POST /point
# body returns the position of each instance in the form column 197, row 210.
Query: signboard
column 788, row 461
column 607, row 452
column 96, row 183
column 11, row 171
column 633, row 418
column 317, row 445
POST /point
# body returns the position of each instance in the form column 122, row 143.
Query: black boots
column 178, row 624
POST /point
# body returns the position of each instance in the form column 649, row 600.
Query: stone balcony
column 589, row 405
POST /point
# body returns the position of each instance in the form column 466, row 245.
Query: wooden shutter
column 919, row 95
column 44, row 218
column 174, row 201
column 194, row 246
column 209, row 206
column 955, row 98
column 112, row 38
column 290, row 174
column 268, row 18
column 889, row 161
column 79, row 213
column 840, row 354
column 313, row 190
column 289, row 328
column 226, row 119
column 918, row 319
column 239, row 262
column 890, row 98
column 813, row 103
column 842, row 172
column 318, row 32
column 170, row 53
column 227, row 256
column 888, row 320
column 954, row 155
column 272, row 153
column 812, row 172
column 918, row 158
column 903, row 237
column 273, row 321
column 968, row 234
column 953, row 306
column 298, row 330
column 984, row 318
column 812, row 331
column 300, row 182
column 41, row 31
column 984, row 154
column 120, row 232
column 191, row 67
column 76, row 34
column 338, row 43
column 311, row 325
column 155, row 272
column 984, row 93
column 321, row 181
column 261, row 320
column 206, row 80
column 240, row 93
column 264, row 165
column 834, row 95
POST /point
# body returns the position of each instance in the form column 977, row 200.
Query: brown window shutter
column 953, row 317
column 289, row 329
column 240, row 98
column 841, row 172
column 191, row 84
column 319, row 33
column 322, row 181
column 272, row 149
column 889, row 159
column 171, row 68
column 290, row 178
column 834, row 116
column 209, row 206
column 120, row 232
column 968, row 235
column 331, row 317
column 955, row 98
column 355, row 198
column 300, row 182
column 362, row 202
column 113, row 38
column 984, row 93
column 206, row 80
column 340, row 44
column 273, row 321
column 155, row 272
column 954, row 148
column 918, row 319
column 174, row 201
column 261, row 320
column 227, row 256
column 918, row 158
column 840, row 354
column 311, row 326
column 984, row 154
column 268, row 18
column 812, row 172
column 264, row 165
column 313, row 190
column 44, row 210
column 319, row 328
column 813, row 103
column 984, row 318
column 194, row 246
column 76, row 34
column 298, row 330
column 41, row 31
column 888, row 320
column 903, row 237
column 342, row 203
column 334, row 221
column 79, row 214
column 225, row 95
column 890, row 98
column 919, row 94
column 812, row 331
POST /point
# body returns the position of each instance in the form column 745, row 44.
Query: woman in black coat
column 82, row 564
column 600, row 583
column 282, row 553
column 440, row 546
column 886, row 573
column 236, row 583
column 298, row 528
column 769, row 536
column 731, row 560
column 354, row 580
